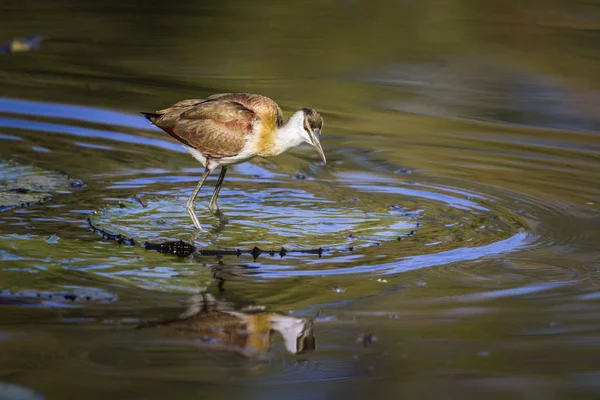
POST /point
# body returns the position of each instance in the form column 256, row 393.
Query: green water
column 459, row 208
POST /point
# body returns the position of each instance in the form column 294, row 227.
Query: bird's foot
column 214, row 209
column 222, row 217
column 194, row 218
column 213, row 206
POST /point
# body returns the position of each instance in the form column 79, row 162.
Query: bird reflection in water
column 247, row 332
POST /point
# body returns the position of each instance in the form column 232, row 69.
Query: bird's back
column 263, row 106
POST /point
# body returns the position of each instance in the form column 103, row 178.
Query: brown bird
column 231, row 128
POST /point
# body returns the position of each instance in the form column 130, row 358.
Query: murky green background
column 473, row 125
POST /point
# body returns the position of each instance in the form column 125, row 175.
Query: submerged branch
column 181, row 248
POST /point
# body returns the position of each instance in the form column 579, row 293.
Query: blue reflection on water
column 82, row 113
column 417, row 262
column 88, row 132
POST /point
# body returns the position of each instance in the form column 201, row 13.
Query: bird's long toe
column 214, row 208
column 219, row 214
column 193, row 216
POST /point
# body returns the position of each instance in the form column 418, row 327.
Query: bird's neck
column 290, row 134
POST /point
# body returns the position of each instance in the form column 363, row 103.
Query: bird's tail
column 151, row 116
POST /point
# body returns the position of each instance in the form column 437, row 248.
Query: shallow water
column 457, row 217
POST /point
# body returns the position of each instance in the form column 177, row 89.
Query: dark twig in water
column 184, row 249
column 178, row 248
column 181, row 248
column 139, row 199
column 110, row 236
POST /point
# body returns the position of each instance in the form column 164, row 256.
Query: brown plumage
column 230, row 128
column 218, row 126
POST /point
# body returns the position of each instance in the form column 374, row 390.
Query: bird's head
column 313, row 123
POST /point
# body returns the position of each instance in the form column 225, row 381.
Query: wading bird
column 231, row 128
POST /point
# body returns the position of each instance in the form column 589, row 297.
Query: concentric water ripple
column 387, row 224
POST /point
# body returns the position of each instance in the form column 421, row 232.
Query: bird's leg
column 212, row 206
column 189, row 206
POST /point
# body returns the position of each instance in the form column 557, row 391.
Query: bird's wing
column 268, row 111
column 216, row 127
column 181, row 105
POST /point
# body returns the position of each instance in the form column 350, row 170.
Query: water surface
column 458, row 211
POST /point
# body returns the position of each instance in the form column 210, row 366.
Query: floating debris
column 75, row 294
column 256, row 252
column 141, row 201
column 110, row 236
column 178, row 248
column 24, row 185
column 146, row 222
column 366, row 339
column 22, row 44
column 181, row 248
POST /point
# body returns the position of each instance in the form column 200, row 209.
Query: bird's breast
column 265, row 135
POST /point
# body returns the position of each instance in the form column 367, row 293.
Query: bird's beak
column 317, row 143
